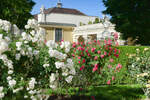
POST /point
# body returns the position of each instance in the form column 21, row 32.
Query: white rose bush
column 139, row 68
column 29, row 65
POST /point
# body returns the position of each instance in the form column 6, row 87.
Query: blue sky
column 89, row 7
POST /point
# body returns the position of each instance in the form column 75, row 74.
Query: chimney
column 59, row 4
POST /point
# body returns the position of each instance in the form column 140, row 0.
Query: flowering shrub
column 30, row 65
column 139, row 67
column 94, row 61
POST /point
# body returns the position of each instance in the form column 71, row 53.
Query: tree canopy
column 132, row 18
column 16, row 11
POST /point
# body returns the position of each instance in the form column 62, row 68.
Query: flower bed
column 29, row 65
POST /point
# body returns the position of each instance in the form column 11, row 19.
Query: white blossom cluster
column 37, row 34
column 53, row 80
column 65, row 45
column 1, row 92
column 29, row 45
column 5, row 25
column 3, row 44
column 32, row 23
column 57, row 54
column 9, row 64
column 31, row 90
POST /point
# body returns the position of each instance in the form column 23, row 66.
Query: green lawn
column 118, row 92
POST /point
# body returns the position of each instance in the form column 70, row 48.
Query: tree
column 16, row 11
column 132, row 18
column 96, row 21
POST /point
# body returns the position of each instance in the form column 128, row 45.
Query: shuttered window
column 58, row 34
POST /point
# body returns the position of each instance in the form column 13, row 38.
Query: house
column 64, row 24
column 60, row 22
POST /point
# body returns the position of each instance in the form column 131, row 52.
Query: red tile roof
column 63, row 11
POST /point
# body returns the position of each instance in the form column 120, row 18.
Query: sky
column 89, row 7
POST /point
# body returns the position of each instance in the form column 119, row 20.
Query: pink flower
column 89, row 55
column 118, row 66
column 93, row 98
column 73, row 55
column 45, row 41
column 79, row 62
column 102, row 56
column 116, row 55
column 79, row 57
column 82, row 49
column 86, row 51
column 79, row 48
column 83, row 61
column 95, row 67
column 95, row 58
column 113, row 78
column 115, row 50
column 117, row 44
column 98, row 51
column 105, row 53
column 109, row 66
column 93, row 49
column 111, row 60
column 115, row 35
column 109, row 42
column 89, row 43
column 81, row 68
column 108, row 82
column 74, row 45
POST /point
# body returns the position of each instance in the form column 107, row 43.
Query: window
column 58, row 34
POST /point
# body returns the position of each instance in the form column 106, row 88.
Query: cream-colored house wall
column 49, row 33
column 66, row 33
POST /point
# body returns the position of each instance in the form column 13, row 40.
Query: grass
column 114, row 92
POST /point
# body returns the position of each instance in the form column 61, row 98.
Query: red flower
column 108, row 82
column 89, row 55
column 86, row 51
column 81, row 68
column 73, row 55
column 79, row 57
column 93, row 98
column 116, row 55
column 83, row 61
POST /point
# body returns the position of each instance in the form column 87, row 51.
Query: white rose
column 69, row 79
column 1, row 88
column 10, row 72
column 12, row 83
column 2, row 95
